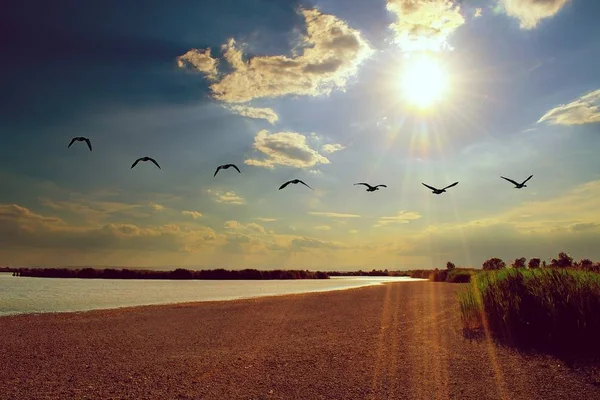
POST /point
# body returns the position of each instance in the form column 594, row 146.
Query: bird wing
column 72, row 141
column 362, row 183
column 305, row 184
column 510, row 180
column 531, row 176
column 381, row 186
column 284, row 185
column 430, row 187
column 88, row 143
column 449, row 186
column 218, row 169
column 135, row 163
column 154, row 161
column 236, row 168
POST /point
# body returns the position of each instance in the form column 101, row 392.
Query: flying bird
column 439, row 191
column 225, row 166
column 145, row 159
column 81, row 139
column 294, row 181
column 518, row 185
column 369, row 187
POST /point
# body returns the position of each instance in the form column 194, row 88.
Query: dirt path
column 397, row 341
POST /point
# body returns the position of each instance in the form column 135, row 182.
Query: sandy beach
column 393, row 341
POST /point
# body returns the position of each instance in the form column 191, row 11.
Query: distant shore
column 399, row 340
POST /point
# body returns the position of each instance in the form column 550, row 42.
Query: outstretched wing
column 430, row 187
column 236, row 168
column 284, row 185
column 362, row 183
column 381, row 186
column 88, row 143
column 449, row 186
column 305, row 184
column 135, row 163
column 511, row 181
column 218, row 169
column 72, row 141
column 154, row 161
column 531, row 176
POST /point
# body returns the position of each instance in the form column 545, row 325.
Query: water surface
column 20, row 295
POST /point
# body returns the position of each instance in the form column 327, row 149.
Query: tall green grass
column 549, row 309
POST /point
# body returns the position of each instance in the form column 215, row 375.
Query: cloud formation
column 285, row 148
column 333, row 214
column 226, row 197
column 157, row 207
column 200, row 60
column 403, row 217
column 584, row 110
column 254, row 112
column 331, row 53
column 193, row 214
column 323, row 228
column 332, row 147
column 530, row 12
column 424, row 24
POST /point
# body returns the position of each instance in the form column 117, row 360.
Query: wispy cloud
column 530, row 12
column 193, row 214
column 332, row 147
column 285, row 148
column 200, row 60
column 403, row 217
column 226, row 197
column 424, row 24
column 331, row 53
column 323, row 228
column 157, row 207
column 333, row 214
column 254, row 112
column 584, row 110
column 263, row 219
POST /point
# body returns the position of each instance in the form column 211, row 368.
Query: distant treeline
column 368, row 273
column 179, row 273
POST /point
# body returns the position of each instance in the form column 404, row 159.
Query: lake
column 19, row 295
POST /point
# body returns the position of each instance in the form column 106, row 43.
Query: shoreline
column 384, row 341
column 408, row 280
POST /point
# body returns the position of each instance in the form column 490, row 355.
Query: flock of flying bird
column 296, row 181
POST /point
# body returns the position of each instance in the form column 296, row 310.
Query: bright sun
column 424, row 82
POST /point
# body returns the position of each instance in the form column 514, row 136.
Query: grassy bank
column 550, row 309
column 456, row 275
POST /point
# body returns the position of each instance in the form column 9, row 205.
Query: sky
column 332, row 92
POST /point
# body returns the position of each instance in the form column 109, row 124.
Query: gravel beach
column 393, row 341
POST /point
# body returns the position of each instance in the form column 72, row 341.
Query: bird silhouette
column 145, row 159
column 81, row 139
column 225, row 166
column 518, row 185
column 369, row 187
column 294, row 181
column 439, row 191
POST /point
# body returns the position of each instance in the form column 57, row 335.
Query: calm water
column 32, row 295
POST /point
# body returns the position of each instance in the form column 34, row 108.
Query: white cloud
column 333, row 214
column 157, row 207
column 403, row 217
column 530, row 12
column 254, row 112
column 323, row 228
column 193, row 214
column 424, row 24
column 285, row 148
column 252, row 226
column 226, row 197
column 263, row 219
column 353, row 231
column 331, row 53
column 584, row 110
column 200, row 60
column 332, row 147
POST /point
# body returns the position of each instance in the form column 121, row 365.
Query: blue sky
column 307, row 90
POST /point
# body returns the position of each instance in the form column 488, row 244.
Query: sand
column 393, row 341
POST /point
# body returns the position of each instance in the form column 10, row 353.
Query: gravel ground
column 394, row 341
